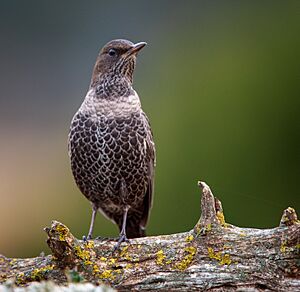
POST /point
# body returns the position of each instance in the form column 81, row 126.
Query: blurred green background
column 219, row 81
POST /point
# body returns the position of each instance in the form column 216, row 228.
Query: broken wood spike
column 211, row 211
column 289, row 217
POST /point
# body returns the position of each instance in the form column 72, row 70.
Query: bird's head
column 117, row 57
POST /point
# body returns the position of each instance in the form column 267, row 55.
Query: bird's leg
column 95, row 209
column 123, row 230
column 122, row 235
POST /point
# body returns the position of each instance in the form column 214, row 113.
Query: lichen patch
column 190, row 252
column 160, row 257
column 223, row 259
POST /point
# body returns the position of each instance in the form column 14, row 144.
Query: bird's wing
column 151, row 158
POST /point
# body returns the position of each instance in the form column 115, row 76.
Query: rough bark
column 213, row 256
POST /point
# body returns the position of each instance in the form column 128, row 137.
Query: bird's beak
column 136, row 48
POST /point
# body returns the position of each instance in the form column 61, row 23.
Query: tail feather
column 134, row 230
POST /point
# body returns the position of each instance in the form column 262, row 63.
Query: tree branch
column 214, row 256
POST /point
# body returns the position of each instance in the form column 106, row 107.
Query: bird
column 110, row 143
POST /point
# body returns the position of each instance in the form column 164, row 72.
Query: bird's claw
column 122, row 238
column 86, row 238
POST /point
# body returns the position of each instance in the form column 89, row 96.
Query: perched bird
column 111, row 146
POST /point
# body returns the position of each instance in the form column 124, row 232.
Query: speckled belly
column 109, row 160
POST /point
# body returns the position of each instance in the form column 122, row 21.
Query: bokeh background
column 219, row 81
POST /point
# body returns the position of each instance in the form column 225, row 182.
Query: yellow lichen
column 222, row 259
column 128, row 266
column 124, row 253
column 112, row 261
column 221, row 218
column 13, row 261
column 96, row 269
column 128, row 257
column 208, row 227
column 283, row 246
column 20, row 278
column 124, row 250
column 160, row 256
column 242, row 234
column 62, row 231
column 89, row 244
column 103, row 259
column 189, row 238
column 107, row 274
column 83, row 254
column 225, row 260
column 184, row 264
column 191, row 249
column 38, row 274
column 212, row 254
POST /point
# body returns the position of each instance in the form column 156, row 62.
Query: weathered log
column 213, row 256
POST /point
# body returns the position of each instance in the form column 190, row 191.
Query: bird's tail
column 134, row 231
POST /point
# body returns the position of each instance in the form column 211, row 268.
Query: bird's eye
column 112, row 52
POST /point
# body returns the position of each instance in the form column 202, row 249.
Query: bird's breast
column 117, row 107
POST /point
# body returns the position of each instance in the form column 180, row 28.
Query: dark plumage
column 110, row 143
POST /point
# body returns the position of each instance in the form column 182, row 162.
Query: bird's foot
column 122, row 238
column 86, row 238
